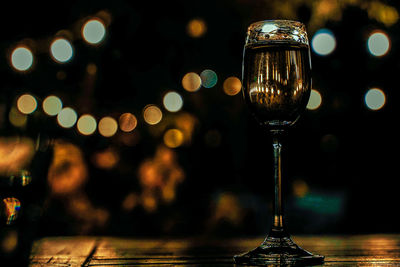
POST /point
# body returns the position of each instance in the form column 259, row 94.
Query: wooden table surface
column 358, row 250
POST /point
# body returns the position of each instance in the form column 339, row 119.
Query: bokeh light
column 26, row 104
column 17, row 118
column 87, row 124
column 323, row 42
column 94, row 31
column 196, row 28
column 378, row 43
column 61, row 50
column 172, row 101
column 232, row 86
column 208, row 78
column 375, row 99
column 108, row 126
column 12, row 207
column 191, row 82
column 106, row 159
column 127, row 122
column 67, row 117
column 91, row 69
column 52, row 105
column 21, row 58
column 173, row 138
column 315, row 100
column 152, row 114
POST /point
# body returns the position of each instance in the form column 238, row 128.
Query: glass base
column 279, row 251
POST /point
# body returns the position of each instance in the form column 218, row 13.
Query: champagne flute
column 276, row 88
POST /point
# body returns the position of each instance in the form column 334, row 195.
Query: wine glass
column 276, row 88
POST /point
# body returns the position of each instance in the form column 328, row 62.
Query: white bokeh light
column 378, row 44
column 94, row 31
column 375, row 99
column 315, row 100
column 67, row 117
column 172, row 101
column 323, row 42
column 21, row 58
column 61, row 50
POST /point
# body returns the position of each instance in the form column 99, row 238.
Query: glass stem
column 278, row 227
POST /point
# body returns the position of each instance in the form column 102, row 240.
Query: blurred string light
column 87, row 124
column 172, row 101
column 315, row 100
column 173, row 138
column 61, row 50
column 191, row 82
column 196, row 28
column 323, row 42
column 375, row 99
column 52, row 105
column 26, row 104
column 208, row 78
column 378, row 43
column 127, row 122
column 152, row 114
column 232, row 86
column 94, row 31
column 21, row 58
column 108, row 126
column 67, row 117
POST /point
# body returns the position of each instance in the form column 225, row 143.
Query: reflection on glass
column 277, row 81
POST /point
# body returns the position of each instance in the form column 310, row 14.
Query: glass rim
column 277, row 30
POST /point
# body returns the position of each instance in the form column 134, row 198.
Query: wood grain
column 360, row 250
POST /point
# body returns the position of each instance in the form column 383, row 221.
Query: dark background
column 340, row 161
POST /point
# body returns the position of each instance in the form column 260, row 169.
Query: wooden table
column 360, row 250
